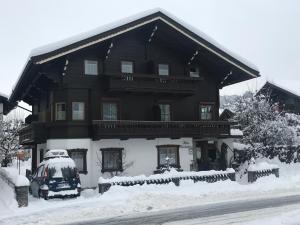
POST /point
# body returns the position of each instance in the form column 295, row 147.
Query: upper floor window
column 60, row 113
column 126, row 66
column 194, row 72
column 78, row 110
column 109, row 111
column 163, row 69
column 90, row 67
column 206, row 112
column 165, row 112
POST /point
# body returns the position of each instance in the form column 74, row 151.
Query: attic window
column 126, row 66
column 90, row 67
column 194, row 72
column 163, row 69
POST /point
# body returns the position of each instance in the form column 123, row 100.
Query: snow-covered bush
column 267, row 132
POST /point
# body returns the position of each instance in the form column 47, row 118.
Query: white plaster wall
column 229, row 142
column 142, row 152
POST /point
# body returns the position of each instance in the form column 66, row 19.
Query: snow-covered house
column 131, row 97
column 286, row 99
column 5, row 106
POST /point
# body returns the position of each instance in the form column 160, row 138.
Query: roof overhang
column 39, row 56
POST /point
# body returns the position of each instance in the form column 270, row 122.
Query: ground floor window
column 168, row 154
column 79, row 157
column 111, row 159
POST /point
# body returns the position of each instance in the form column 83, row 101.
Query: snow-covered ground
column 148, row 198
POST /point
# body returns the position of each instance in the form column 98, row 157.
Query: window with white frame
column 165, row 112
column 90, row 67
column 126, row 66
column 206, row 112
column 163, row 69
column 109, row 111
column 78, row 110
column 60, row 113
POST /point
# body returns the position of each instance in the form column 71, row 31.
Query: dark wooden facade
column 287, row 101
column 62, row 79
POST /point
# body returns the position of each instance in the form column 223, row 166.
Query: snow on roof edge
column 82, row 36
column 284, row 88
column 4, row 95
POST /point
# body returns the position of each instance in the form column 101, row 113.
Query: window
column 90, row 67
column 168, row 152
column 60, row 111
column 163, row 69
column 77, row 110
column 165, row 112
column 111, row 159
column 109, row 111
column 194, row 72
column 126, row 67
column 40, row 171
column 79, row 157
column 206, row 112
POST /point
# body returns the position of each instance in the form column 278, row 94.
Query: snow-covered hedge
column 167, row 175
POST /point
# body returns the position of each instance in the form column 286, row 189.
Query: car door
column 36, row 181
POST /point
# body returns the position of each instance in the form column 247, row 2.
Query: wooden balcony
column 152, row 84
column 32, row 133
column 125, row 129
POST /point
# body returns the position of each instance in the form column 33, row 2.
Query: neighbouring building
column 286, row 100
column 5, row 105
column 131, row 97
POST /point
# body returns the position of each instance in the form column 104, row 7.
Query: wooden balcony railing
column 152, row 84
column 32, row 133
column 153, row 129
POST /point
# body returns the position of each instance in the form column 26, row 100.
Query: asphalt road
column 194, row 212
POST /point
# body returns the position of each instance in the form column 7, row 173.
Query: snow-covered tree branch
column 9, row 138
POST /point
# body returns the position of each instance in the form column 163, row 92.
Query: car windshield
column 62, row 172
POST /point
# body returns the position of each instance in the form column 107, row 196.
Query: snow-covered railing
column 261, row 169
column 167, row 177
column 18, row 182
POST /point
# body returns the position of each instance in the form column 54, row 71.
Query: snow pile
column 12, row 174
column 8, row 201
column 240, row 146
column 262, row 166
column 236, row 132
column 167, row 175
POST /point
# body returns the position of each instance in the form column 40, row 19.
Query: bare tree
column 9, row 138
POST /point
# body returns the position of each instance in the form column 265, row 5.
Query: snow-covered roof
column 280, row 86
column 3, row 95
column 60, row 44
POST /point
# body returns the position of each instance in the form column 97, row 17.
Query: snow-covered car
column 56, row 176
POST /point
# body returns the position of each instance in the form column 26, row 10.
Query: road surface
column 198, row 212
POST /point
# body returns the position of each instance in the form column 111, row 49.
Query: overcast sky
column 264, row 32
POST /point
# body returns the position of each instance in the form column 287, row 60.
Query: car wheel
column 41, row 195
